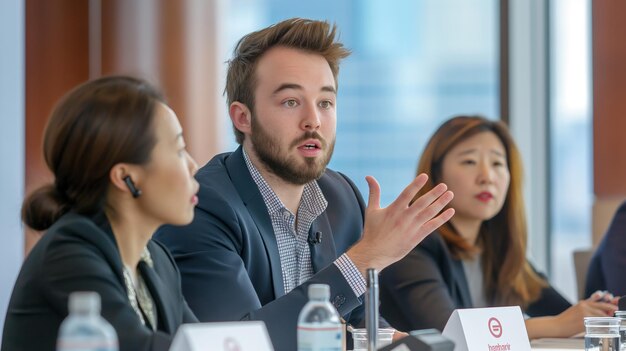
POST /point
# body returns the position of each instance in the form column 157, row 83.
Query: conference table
column 558, row 344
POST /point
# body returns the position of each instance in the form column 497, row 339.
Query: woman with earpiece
column 121, row 171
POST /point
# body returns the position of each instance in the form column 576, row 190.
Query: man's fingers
column 373, row 200
column 432, row 225
column 406, row 196
column 425, row 200
column 431, row 210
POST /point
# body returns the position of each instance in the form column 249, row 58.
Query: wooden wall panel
column 190, row 69
column 56, row 61
column 170, row 43
column 609, row 98
column 609, row 111
column 173, row 45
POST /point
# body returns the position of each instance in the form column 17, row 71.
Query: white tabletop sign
column 488, row 329
column 227, row 336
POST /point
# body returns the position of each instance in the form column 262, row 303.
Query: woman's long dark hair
column 508, row 277
column 95, row 126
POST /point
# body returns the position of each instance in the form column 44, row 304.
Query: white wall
column 11, row 145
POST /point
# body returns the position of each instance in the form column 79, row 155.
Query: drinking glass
column 602, row 333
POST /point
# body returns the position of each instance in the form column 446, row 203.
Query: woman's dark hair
column 93, row 127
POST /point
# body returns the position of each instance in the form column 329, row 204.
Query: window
column 414, row 65
column 571, row 164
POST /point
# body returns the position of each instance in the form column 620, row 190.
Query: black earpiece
column 131, row 186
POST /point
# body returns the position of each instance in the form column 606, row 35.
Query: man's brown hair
column 316, row 37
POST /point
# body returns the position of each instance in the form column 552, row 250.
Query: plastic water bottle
column 319, row 327
column 84, row 329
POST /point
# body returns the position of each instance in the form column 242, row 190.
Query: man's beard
column 286, row 167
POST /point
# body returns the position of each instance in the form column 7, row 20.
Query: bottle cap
column 84, row 302
column 319, row 292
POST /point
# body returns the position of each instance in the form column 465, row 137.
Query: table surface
column 553, row 344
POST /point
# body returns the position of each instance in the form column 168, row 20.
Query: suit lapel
column 461, row 286
column 252, row 199
column 158, row 290
column 160, row 295
column 111, row 250
column 324, row 252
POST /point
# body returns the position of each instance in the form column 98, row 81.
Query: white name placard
column 226, row 336
column 488, row 329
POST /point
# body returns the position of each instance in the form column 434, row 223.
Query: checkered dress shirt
column 292, row 234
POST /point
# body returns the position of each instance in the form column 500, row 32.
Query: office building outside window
column 571, row 166
column 415, row 63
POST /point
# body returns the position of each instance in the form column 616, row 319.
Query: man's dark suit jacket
column 423, row 289
column 608, row 264
column 76, row 254
column 228, row 256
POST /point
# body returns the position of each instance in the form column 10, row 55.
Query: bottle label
column 320, row 338
column 86, row 344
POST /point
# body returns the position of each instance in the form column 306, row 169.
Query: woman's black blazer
column 80, row 254
column 423, row 289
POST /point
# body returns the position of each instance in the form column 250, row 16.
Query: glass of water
column 359, row 336
column 602, row 333
column 622, row 328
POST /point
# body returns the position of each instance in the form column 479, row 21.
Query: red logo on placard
column 230, row 344
column 495, row 327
